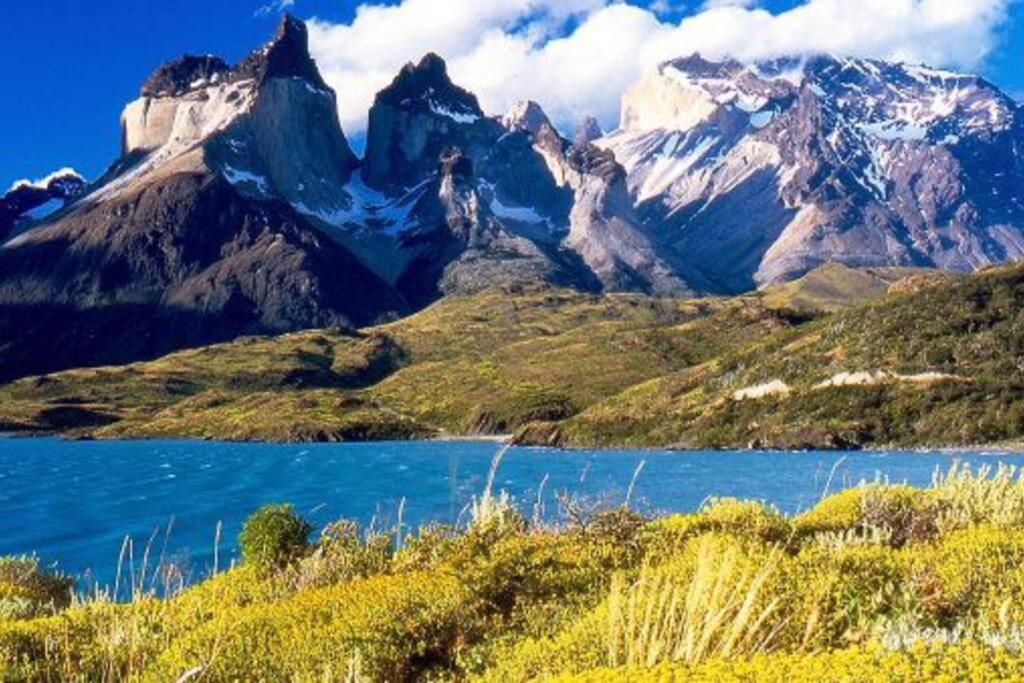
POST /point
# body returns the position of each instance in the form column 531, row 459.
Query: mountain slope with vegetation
column 934, row 362
column 483, row 364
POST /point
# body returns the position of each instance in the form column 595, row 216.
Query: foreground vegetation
column 839, row 359
column 878, row 582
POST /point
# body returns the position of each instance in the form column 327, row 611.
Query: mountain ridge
column 722, row 178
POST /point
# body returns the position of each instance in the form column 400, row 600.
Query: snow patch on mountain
column 457, row 116
column 246, row 179
column 367, row 208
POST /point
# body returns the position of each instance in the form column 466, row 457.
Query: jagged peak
column 698, row 66
column 427, row 85
column 430, row 63
column 587, row 130
column 286, row 56
column 527, row 116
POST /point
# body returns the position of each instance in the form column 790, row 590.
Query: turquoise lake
column 74, row 503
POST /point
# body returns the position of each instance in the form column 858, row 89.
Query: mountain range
column 238, row 206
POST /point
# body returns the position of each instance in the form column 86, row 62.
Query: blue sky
column 70, row 66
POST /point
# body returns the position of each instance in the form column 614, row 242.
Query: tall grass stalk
column 719, row 613
column 632, row 483
column 538, row 507
column 489, row 508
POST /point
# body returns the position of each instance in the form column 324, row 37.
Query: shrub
column 341, row 555
column 29, row 590
column 273, row 537
column 900, row 514
column 750, row 520
column 397, row 627
column 98, row 641
column 430, row 545
column 580, row 646
column 985, row 497
column 970, row 578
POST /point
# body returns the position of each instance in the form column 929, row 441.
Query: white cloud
column 577, row 56
column 274, row 7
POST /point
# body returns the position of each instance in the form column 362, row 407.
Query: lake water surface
column 74, row 503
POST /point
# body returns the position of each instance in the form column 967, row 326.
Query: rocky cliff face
column 476, row 201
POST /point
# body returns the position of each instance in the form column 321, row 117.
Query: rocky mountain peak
column 858, row 161
column 427, row 87
column 286, row 56
column 526, row 116
column 697, row 66
column 594, row 161
column 413, row 120
column 587, row 130
column 178, row 76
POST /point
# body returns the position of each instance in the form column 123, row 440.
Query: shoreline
column 951, row 450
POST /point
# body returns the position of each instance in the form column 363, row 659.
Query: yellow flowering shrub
column 745, row 519
column 395, row 626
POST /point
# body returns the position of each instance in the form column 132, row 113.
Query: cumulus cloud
column 576, row 57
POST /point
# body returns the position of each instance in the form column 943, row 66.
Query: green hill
column 481, row 365
column 839, row 358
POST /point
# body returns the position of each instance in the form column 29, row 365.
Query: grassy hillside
column 483, row 364
column 839, row 358
column 935, row 364
column 834, row 287
column 874, row 583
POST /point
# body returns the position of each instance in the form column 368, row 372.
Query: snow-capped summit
column 755, row 173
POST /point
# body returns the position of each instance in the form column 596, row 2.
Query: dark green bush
column 274, row 537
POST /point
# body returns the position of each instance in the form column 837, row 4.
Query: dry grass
column 720, row 612
column 968, row 497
